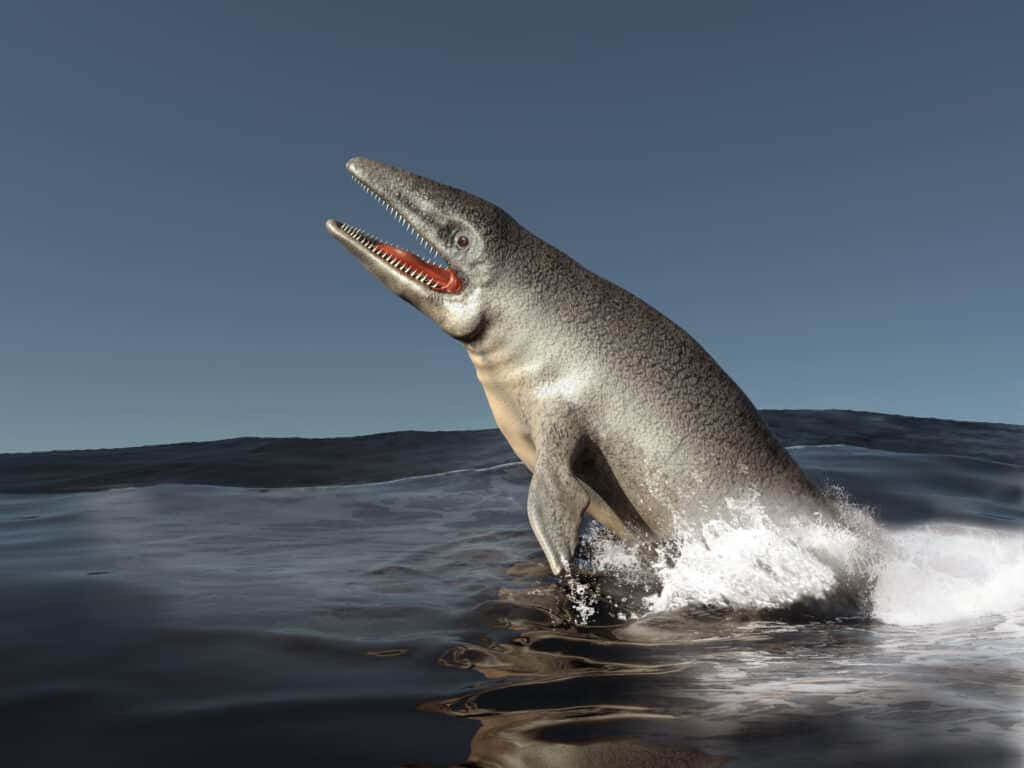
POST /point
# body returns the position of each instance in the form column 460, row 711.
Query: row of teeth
column 406, row 224
column 370, row 244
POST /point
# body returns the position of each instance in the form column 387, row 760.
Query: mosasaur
column 616, row 410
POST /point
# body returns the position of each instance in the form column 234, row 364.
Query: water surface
column 411, row 622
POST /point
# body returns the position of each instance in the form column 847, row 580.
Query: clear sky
column 828, row 196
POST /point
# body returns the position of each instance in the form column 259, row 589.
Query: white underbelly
column 511, row 423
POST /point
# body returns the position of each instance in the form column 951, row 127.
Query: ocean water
column 411, row 621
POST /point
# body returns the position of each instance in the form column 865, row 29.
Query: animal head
column 470, row 246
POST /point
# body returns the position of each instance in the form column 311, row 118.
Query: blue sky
column 827, row 196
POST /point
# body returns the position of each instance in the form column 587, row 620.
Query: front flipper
column 555, row 508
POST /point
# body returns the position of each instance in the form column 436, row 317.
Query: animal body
column 617, row 411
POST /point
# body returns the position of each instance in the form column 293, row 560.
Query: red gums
column 446, row 279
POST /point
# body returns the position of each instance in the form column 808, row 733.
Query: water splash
column 746, row 562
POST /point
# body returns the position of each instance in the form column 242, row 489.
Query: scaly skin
column 616, row 410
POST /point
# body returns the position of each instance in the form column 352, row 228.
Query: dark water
column 410, row 621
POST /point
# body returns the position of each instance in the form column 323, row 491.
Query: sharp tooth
column 432, row 255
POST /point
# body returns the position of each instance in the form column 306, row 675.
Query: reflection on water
column 693, row 688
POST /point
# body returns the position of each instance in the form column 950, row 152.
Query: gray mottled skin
column 616, row 410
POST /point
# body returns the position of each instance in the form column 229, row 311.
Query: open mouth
column 437, row 277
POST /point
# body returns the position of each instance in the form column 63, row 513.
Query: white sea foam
column 746, row 561
column 943, row 573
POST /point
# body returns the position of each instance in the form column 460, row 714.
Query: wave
column 446, row 473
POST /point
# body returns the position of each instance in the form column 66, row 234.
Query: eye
column 462, row 241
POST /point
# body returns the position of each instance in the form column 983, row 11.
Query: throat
column 474, row 335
